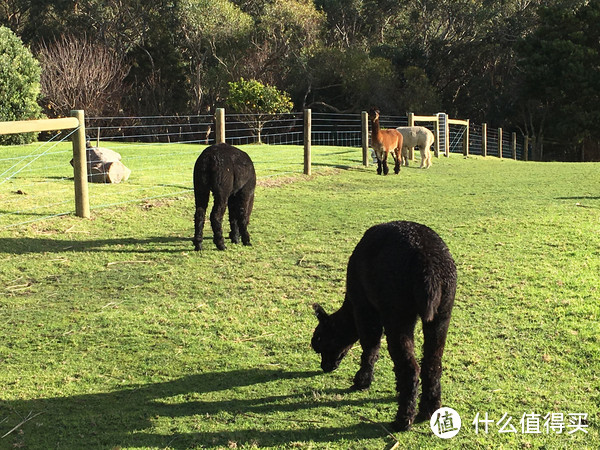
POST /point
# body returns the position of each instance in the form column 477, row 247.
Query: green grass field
column 115, row 334
column 36, row 181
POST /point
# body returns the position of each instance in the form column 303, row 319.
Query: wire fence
column 36, row 180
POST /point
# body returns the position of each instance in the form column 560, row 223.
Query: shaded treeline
column 533, row 65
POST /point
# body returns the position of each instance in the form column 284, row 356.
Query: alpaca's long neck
column 375, row 130
column 344, row 320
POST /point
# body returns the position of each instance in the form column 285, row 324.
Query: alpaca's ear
column 320, row 312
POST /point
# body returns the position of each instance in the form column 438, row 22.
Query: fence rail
column 36, row 181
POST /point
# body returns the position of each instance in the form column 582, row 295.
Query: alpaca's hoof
column 423, row 417
column 401, row 425
column 362, row 380
column 197, row 245
column 360, row 386
column 426, row 409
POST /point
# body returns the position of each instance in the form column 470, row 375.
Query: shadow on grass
column 583, row 197
column 156, row 244
column 127, row 418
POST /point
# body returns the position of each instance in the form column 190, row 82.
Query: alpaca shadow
column 130, row 417
column 582, row 197
column 156, row 244
column 335, row 166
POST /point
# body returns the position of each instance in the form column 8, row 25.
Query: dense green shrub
column 257, row 103
column 19, row 84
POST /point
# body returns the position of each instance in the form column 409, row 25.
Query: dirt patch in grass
column 276, row 181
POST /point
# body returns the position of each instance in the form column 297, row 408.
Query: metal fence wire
column 36, row 181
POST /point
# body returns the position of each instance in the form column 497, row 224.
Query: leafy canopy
column 253, row 97
column 19, row 84
column 257, row 103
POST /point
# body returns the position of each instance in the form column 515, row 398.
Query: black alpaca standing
column 399, row 271
column 229, row 173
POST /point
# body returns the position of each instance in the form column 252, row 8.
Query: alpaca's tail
column 439, row 287
column 203, row 178
column 433, row 292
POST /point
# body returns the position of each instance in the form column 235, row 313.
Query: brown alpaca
column 384, row 142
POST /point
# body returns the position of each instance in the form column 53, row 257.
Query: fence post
column 411, row 123
column 220, row 125
column 526, row 149
column 466, row 140
column 500, row 143
column 446, row 148
column 364, row 127
column 436, row 133
column 82, row 199
column 307, row 140
column 484, row 139
column 514, row 145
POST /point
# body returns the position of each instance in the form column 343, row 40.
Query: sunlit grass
column 118, row 335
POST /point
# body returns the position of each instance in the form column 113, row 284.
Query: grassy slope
column 121, row 336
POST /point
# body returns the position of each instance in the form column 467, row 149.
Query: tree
column 19, row 84
column 257, row 103
column 286, row 31
column 348, row 80
column 215, row 39
column 79, row 74
column 417, row 93
column 560, row 64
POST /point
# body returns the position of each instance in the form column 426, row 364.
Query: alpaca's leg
column 386, row 170
column 240, row 207
column 400, row 339
column 370, row 330
column 201, row 205
column 233, row 205
column 379, row 166
column 216, row 219
column 405, row 155
column 397, row 158
column 434, row 337
column 425, row 158
column 247, row 203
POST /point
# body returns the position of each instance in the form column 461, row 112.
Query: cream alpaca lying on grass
column 417, row 137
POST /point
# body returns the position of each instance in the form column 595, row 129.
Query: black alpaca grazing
column 399, row 271
column 229, row 173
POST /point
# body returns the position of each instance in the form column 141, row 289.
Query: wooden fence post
column 220, row 125
column 500, row 143
column 436, row 132
column 364, row 127
column 307, row 141
column 82, row 200
column 514, row 145
column 411, row 123
column 466, row 139
column 484, row 139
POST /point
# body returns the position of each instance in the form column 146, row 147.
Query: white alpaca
column 417, row 137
